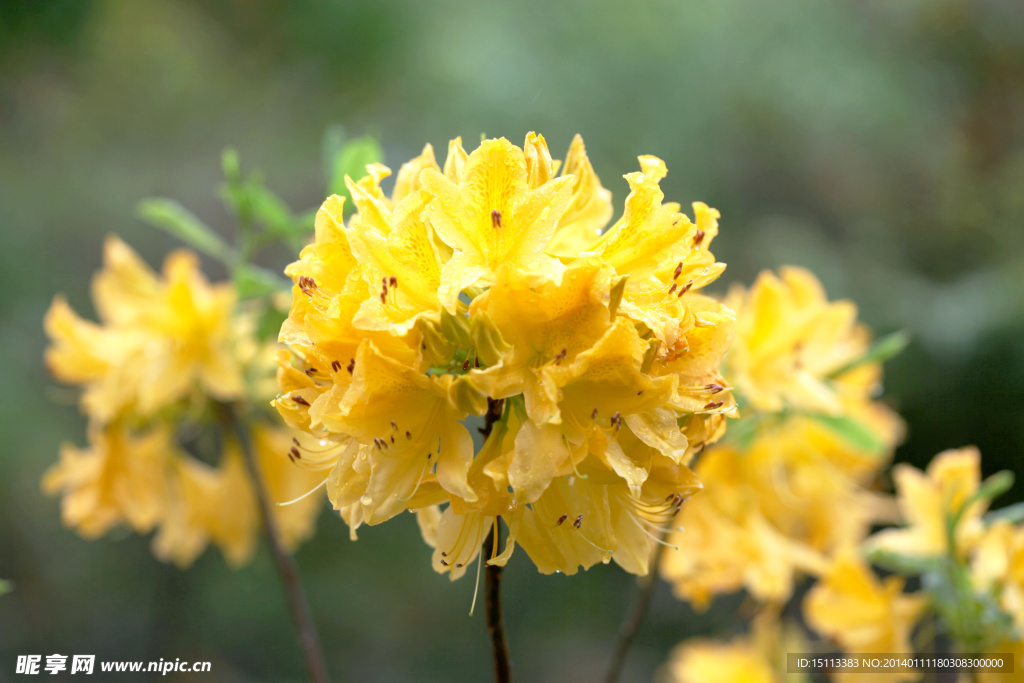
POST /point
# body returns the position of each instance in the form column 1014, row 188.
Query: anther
column 714, row 388
column 698, row 237
column 295, row 452
column 393, row 281
column 394, row 426
column 465, row 366
column 672, row 288
column 408, row 435
column 392, row 438
column 561, row 520
column 560, row 356
column 301, row 401
column 444, row 563
column 496, row 218
column 679, row 271
column 296, row 441
column 335, row 365
column 593, row 413
column 714, row 404
column 685, row 288
column 579, row 520
column 351, row 366
column 458, row 565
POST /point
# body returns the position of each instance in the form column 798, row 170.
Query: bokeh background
column 879, row 143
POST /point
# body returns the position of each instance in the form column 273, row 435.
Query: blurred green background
column 879, row 143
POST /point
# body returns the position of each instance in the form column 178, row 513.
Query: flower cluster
column 165, row 350
column 490, row 291
column 790, row 484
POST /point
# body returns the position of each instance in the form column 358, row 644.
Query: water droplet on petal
column 366, row 500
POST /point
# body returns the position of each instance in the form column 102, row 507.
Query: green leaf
column 6, row 586
column 882, row 350
column 351, row 159
column 270, row 322
column 905, row 564
column 854, row 432
column 1012, row 513
column 171, row 216
column 268, row 209
column 255, row 282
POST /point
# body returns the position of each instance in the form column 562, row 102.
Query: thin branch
column 629, row 627
column 286, row 568
column 492, row 580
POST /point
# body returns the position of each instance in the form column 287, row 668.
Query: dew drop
column 366, row 500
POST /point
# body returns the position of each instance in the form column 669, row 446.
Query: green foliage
column 174, row 218
column 5, row 586
column 348, row 158
column 853, row 431
column 880, row 351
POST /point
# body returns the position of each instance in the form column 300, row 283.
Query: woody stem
column 492, row 580
column 309, row 639
column 629, row 627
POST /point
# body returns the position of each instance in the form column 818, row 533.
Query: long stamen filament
column 306, row 494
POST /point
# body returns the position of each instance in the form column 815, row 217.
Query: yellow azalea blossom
column 703, row 661
column 790, row 339
column 119, row 479
column 759, row 657
column 486, row 285
column 926, row 501
column 218, row 505
column 491, row 216
column 728, row 544
column 854, row 608
column 159, row 338
column 998, row 566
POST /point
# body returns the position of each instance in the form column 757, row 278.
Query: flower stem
column 492, row 580
column 496, row 622
column 286, row 568
column 630, row 626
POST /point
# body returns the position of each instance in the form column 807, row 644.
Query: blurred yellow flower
column 487, row 285
column 792, row 483
column 166, row 349
column 998, row 566
column 928, row 499
column 862, row 614
column 119, row 479
column 159, row 339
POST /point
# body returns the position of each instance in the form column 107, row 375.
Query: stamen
column 685, row 288
column 495, row 218
column 714, row 405
column 679, row 271
column 560, row 356
column 306, row 494
column 672, row 288
column 351, row 366
column 698, row 237
column 394, row 426
column 335, row 365
column 301, row 401
column 561, row 520
column 479, row 563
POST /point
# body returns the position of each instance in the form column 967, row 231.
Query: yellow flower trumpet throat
column 495, row 283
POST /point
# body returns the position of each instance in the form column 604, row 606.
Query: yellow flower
column 218, row 504
column 790, row 339
column 704, row 661
column 489, row 280
column 862, row 614
column 491, row 216
column 119, row 479
column 928, row 499
column 159, row 340
column 998, row 566
column 727, row 543
column 759, row 657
